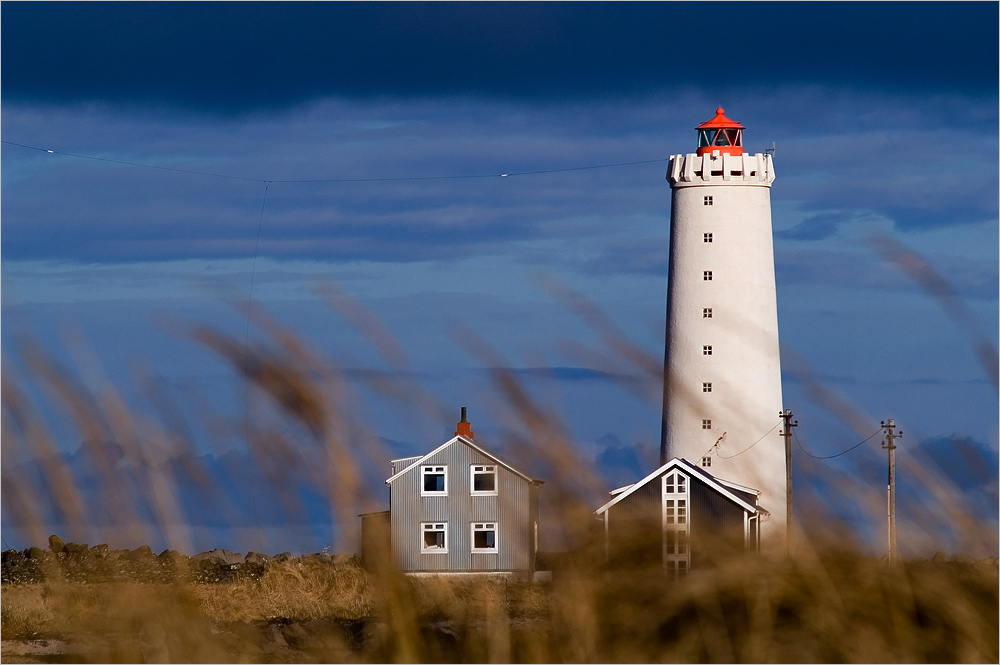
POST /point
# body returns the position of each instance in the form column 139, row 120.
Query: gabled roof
column 467, row 442
column 691, row 470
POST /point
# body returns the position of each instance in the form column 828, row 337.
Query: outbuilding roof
column 721, row 486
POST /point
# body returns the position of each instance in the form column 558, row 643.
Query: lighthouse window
column 706, row 350
column 708, row 237
column 706, row 313
column 706, row 387
column 707, row 275
column 706, row 424
column 706, row 461
column 708, row 200
column 706, row 137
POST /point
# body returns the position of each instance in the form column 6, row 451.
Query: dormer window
column 434, row 481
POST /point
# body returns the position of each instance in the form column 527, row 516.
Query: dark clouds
column 855, row 158
column 239, row 56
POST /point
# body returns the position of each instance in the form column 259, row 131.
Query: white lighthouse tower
column 722, row 374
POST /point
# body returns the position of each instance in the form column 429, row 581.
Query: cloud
column 59, row 207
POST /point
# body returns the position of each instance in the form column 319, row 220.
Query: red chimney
column 464, row 427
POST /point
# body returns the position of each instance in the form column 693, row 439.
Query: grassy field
column 831, row 601
column 812, row 608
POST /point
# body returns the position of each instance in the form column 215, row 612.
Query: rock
column 138, row 553
column 296, row 635
column 100, row 551
column 55, row 543
column 220, row 557
column 318, row 557
column 73, row 548
column 272, row 632
column 257, row 559
column 35, row 553
column 283, row 557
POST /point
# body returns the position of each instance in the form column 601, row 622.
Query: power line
column 857, row 445
column 752, row 444
column 126, row 163
column 465, row 176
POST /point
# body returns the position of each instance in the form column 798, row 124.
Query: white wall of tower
column 744, row 367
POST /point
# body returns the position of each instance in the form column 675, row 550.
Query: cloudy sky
column 442, row 163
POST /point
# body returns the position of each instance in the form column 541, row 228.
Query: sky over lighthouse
column 381, row 133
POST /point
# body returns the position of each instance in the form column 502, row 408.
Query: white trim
column 434, row 527
column 471, row 445
column 484, row 526
column 482, row 469
column 619, row 490
column 676, row 522
column 691, row 470
column 433, row 469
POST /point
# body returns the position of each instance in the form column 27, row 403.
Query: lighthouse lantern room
column 720, row 135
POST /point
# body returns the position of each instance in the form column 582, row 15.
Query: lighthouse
column 721, row 370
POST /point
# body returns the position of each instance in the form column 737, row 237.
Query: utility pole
column 786, row 415
column 889, row 444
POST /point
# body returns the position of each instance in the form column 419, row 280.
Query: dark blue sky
column 239, row 56
column 884, row 117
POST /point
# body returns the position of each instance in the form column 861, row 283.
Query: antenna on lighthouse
column 770, row 151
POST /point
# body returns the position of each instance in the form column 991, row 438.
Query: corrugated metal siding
column 716, row 524
column 374, row 539
column 635, row 525
column 510, row 509
column 400, row 464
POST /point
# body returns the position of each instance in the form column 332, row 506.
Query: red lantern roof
column 719, row 121
column 720, row 134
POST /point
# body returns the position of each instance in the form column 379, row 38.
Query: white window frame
column 675, row 488
column 433, row 469
column 433, row 527
column 486, row 527
column 484, row 469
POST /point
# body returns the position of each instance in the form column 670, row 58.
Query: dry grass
column 300, row 590
column 827, row 603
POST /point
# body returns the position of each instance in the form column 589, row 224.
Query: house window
column 706, row 424
column 484, row 537
column 706, row 350
column 434, row 481
column 706, row 313
column 676, row 529
column 484, row 480
column 707, row 275
column 435, row 537
column 708, row 200
column 708, row 237
column 706, row 387
column 706, row 461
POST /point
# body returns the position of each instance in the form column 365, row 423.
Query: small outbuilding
column 679, row 516
column 459, row 508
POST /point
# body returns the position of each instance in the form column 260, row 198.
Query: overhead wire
column 857, row 445
column 461, row 176
column 751, row 445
